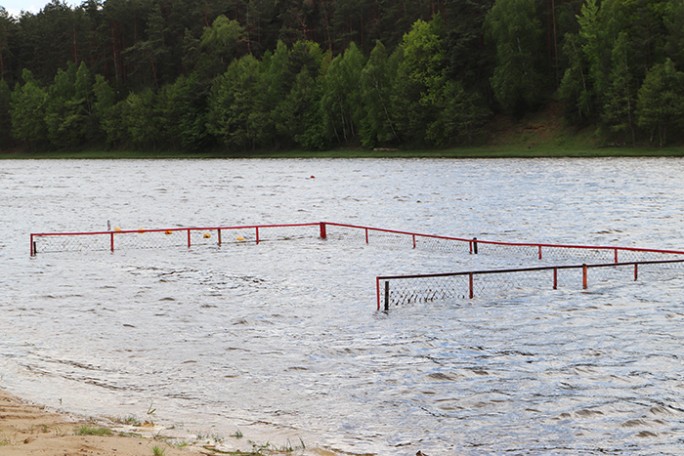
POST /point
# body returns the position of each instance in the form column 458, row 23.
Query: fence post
column 366, row 229
column 616, row 256
column 257, row 236
column 636, row 271
column 540, row 252
column 387, row 295
column 377, row 291
column 219, row 237
column 189, row 238
column 474, row 243
column 414, row 241
column 323, row 231
column 555, row 278
column 111, row 241
column 471, row 292
column 33, row 246
column 584, row 276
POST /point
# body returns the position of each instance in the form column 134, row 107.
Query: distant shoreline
column 485, row 152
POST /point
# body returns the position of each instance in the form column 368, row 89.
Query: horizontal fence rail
column 117, row 239
column 424, row 288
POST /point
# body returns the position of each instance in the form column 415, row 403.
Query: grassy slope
column 541, row 135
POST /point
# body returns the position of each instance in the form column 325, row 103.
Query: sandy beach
column 29, row 430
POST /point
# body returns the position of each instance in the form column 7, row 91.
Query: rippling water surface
column 282, row 340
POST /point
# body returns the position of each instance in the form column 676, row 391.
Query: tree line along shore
column 350, row 77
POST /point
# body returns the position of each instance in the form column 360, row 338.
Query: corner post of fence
column 540, row 252
column 257, row 235
column 474, row 245
column 219, row 236
column 377, row 291
column 555, row 278
column 636, row 271
column 189, row 238
column 584, row 276
column 323, row 231
column 471, row 291
column 33, row 246
column 387, row 295
column 616, row 256
column 111, row 241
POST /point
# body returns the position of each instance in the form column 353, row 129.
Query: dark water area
column 282, row 340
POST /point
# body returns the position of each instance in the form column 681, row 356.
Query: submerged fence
column 426, row 288
column 561, row 263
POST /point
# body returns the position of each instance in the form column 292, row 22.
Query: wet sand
column 29, row 430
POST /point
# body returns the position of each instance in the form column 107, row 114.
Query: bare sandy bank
column 31, row 430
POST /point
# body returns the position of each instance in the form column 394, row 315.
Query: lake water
column 282, row 341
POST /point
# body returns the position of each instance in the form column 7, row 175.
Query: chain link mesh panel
column 402, row 290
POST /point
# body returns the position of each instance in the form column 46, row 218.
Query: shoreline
column 513, row 151
column 28, row 429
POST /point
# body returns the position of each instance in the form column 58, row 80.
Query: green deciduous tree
column 182, row 109
column 297, row 117
column 620, row 105
column 518, row 81
column 5, row 117
column 233, row 116
column 139, row 120
column 660, row 106
column 460, row 114
column 107, row 112
column 420, row 69
column 68, row 110
column 377, row 126
column 300, row 113
column 342, row 103
column 28, row 112
column 218, row 46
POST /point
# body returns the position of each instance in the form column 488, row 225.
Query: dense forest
column 281, row 74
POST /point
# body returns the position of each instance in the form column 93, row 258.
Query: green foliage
column 661, row 102
column 28, row 112
column 5, row 116
column 461, row 114
column 187, row 75
column 139, row 119
column 233, row 117
column 419, row 71
column 515, row 30
column 377, row 125
column 182, row 107
column 620, row 106
column 218, row 46
column 68, row 110
column 673, row 19
column 342, row 102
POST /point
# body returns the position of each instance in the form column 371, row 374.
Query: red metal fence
column 425, row 288
column 406, row 288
